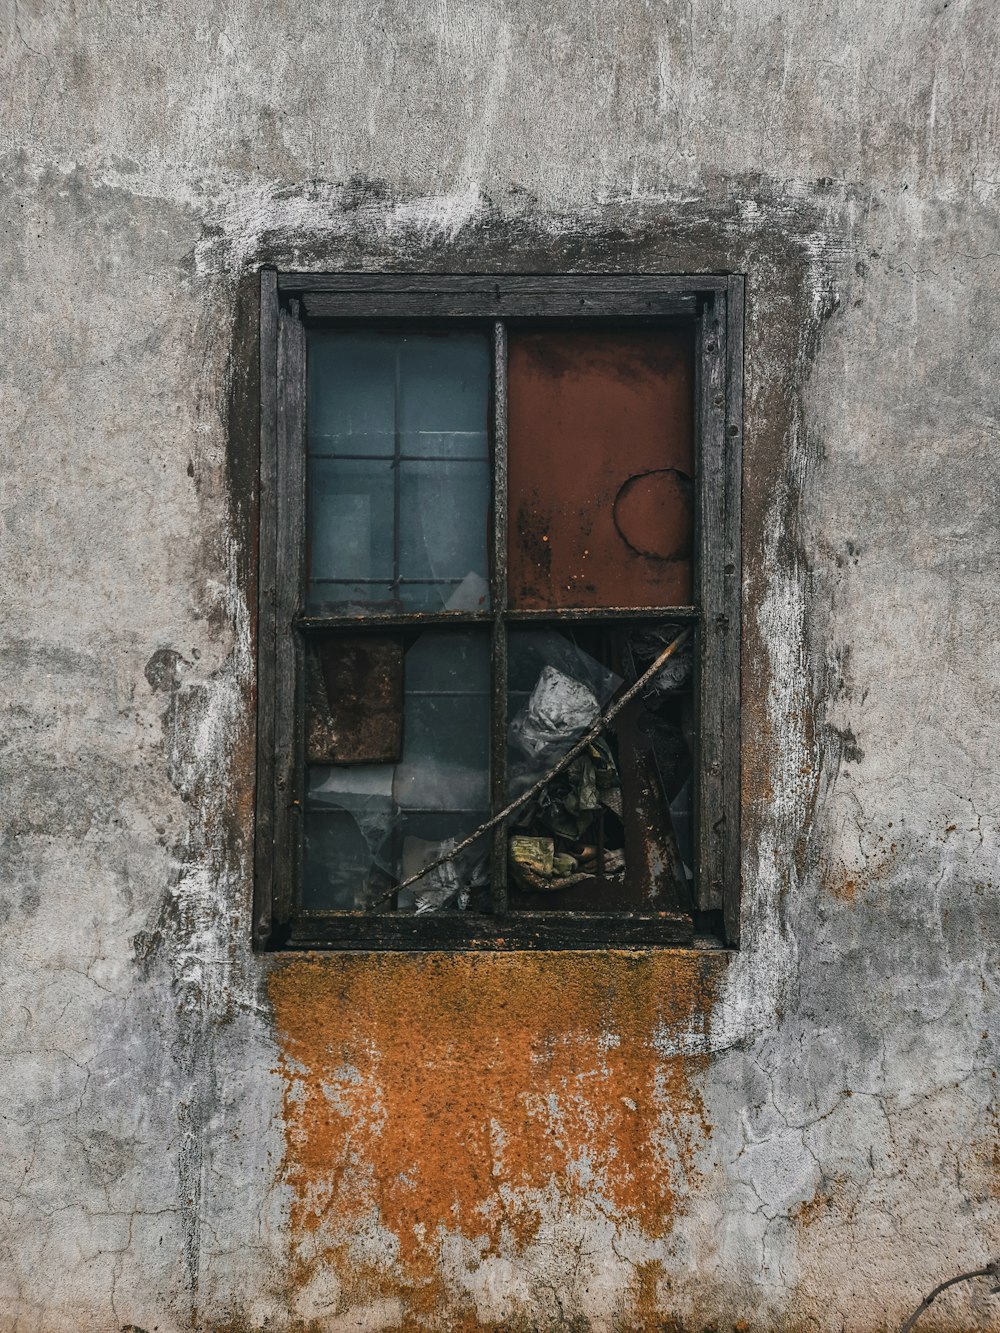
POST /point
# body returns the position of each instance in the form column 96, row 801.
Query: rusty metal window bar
column 352, row 630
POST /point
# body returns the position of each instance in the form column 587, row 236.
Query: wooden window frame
column 713, row 305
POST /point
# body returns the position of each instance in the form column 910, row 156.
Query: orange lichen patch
column 475, row 1094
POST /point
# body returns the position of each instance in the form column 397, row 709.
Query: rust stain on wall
column 845, row 884
column 470, row 1094
column 820, row 1205
column 846, row 889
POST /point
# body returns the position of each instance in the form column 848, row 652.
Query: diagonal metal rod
column 554, row 771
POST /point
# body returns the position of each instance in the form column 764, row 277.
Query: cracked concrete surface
column 841, row 1070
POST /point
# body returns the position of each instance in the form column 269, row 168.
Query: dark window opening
column 487, row 509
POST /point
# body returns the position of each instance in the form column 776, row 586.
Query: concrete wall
column 801, row 1136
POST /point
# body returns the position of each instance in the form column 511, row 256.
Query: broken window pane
column 348, row 846
column 601, row 468
column 567, row 842
column 399, row 468
column 604, row 834
column 365, row 823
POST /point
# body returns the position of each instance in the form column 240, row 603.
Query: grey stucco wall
column 845, row 158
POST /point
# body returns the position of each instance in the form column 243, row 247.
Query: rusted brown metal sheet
column 601, row 467
column 354, row 700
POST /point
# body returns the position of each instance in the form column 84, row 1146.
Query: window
column 488, row 508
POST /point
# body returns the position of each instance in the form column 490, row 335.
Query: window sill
column 522, row 931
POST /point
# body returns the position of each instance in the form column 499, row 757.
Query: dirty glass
column 398, row 475
column 369, row 825
column 612, row 831
column 601, row 467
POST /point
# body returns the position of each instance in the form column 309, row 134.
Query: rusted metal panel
column 354, row 700
column 601, row 466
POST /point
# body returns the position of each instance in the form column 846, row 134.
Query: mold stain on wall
column 477, row 1097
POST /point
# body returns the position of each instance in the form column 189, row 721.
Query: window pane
column 445, row 763
column 412, row 534
column 369, row 825
column 348, row 844
column 352, row 390
column 601, row 461
column 351, row 506
column 444, row 396
column 443, row 513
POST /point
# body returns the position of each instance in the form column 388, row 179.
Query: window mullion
column 498, row 602
column 381, row 624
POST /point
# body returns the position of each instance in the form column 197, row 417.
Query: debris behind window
column 572, row 831
column 645, row 642
column 610, row 810
column 556, row 715
column 448, row 885
column 531, row 855
column 610, row 831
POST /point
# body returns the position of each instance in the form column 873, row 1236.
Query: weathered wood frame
column 713, row 305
